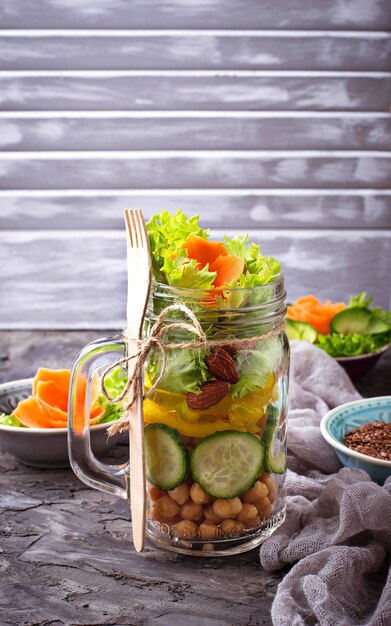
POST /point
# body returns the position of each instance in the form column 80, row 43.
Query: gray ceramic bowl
column 41, row 447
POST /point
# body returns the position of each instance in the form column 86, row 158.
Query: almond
column 211, row 394
column 222, row 366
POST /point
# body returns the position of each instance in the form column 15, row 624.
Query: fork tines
column 135, row 227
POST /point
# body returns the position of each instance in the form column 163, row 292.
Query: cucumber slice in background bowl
column 300, row 330
column 357, row 320
column 227, row 464
column 166, row 456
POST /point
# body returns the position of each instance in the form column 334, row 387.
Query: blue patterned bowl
column 339, row 421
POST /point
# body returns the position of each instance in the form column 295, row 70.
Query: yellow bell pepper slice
column 171, row 419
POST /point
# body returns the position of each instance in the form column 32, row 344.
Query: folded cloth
column 338, row 526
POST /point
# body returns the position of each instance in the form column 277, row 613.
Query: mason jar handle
column 93, row 472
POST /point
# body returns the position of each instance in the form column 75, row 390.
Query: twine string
column 155, row 340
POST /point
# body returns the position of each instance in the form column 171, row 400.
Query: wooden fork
column 139, row 285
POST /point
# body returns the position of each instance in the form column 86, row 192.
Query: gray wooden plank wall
column 272, row 118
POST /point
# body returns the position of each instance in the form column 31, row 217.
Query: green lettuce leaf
column 381, row 314
column 184, row 273
column 10, row 420
column 258, row 269
column 186, row 370
column 360, row 300
column 167, row 234
column 255, row 366
column 338, row 345
column 115, row 383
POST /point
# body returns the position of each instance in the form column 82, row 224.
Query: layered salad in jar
column 215, row 425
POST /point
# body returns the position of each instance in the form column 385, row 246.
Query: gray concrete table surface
column 66, row 556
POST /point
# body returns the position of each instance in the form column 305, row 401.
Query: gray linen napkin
column 338, row 525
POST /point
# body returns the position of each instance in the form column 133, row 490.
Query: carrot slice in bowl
column 49, row 393
column 62, row 378
column 31, row 414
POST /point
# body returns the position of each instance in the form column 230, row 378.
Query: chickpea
column 198, row 495
column 259, row 490
column 269, row 482
column 231, row 526
column 254, row 522
column 266, row 514
column 180, row 494
column 222, row 508
column 167, row 507
column 248, row 513
column 263, row 504
column 155, row 493
column 186, row 529
column 209, row 530
column 211, row 516
column 191, row 511
column 272, row 494
column 236, row 506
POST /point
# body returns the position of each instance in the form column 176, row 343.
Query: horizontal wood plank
column 366, row 209
column 78, row 280
column 195, row 91
column 217, row 132
column 307, row 14
column 261, row 50
column 189, row 169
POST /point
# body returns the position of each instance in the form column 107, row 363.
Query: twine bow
column 145, row 345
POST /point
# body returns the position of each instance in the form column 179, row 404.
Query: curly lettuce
column 186, row 370
column 338, row 345
column 167, row 235
column 171, row 265
column 10, row 420
column 256, row 365
column 115, row 383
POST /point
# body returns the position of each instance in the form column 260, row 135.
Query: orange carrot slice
column 52, row 399
column 228, row 268
column 309, row 309
column 203, row 250
column 48, row 406
column 52, row 394
column 31, row 414
column 62, row 378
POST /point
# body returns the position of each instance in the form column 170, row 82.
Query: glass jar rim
column 266, row 300
column 197, row 291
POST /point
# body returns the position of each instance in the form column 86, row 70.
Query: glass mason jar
column 215, row 425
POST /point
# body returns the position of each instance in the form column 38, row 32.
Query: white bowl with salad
column 355, row 333
column 33, row 437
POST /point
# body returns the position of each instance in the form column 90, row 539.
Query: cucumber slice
column 357, row 320
column 166, row 456
column 275, row 462
column 300, row 330
column 227, row 464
